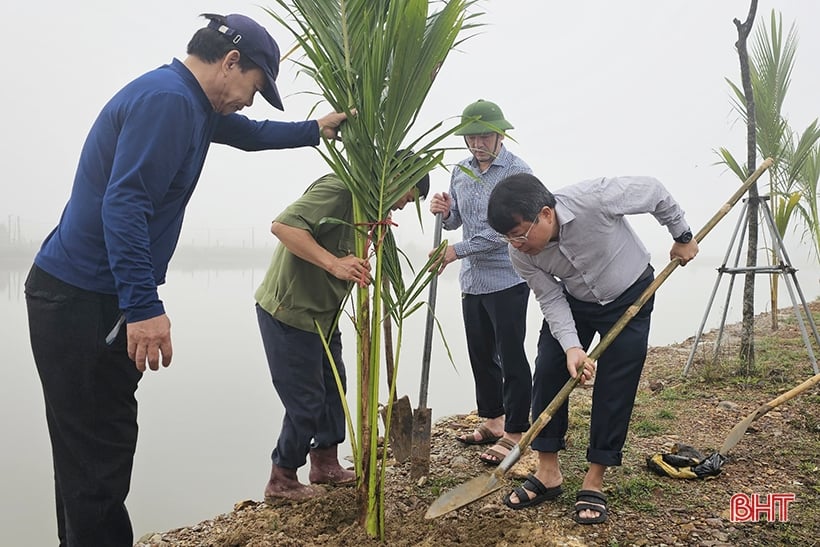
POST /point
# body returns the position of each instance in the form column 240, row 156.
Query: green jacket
column 295, row 291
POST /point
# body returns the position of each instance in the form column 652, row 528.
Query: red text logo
column 750, row 508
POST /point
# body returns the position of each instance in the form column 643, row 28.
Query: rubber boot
column 325, row 468
column 284, row 485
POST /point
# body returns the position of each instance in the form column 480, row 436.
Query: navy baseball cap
column 251, row 39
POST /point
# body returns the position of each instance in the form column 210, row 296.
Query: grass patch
column 647, row 428
column 666, row 414
column 771, row 353
column 812, row 398
column 808, row 467
column 439, row 485
column 636, row 491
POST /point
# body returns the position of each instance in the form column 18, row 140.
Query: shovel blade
column 465, row 494
column 736, row 434
column 420, row 457
column 401, row 429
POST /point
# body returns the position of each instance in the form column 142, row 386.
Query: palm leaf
column 810, row 177
column 729, row 160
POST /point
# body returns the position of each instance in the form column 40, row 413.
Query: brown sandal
column 487, row 436
column 495, row 457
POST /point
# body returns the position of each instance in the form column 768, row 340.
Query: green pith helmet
column 488, row 113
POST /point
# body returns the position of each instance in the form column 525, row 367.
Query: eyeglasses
column 523, row 238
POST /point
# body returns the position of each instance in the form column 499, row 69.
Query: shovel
column 401, row 416
column 481, row 486
column 422, row 416
column 737, row 432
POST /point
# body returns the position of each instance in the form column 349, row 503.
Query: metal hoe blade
column 472, row 490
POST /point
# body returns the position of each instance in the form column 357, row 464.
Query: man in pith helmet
column 494, row 298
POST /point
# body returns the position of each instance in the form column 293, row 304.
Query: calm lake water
column 209, row 422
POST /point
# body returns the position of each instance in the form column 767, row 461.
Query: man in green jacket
column 310, row 275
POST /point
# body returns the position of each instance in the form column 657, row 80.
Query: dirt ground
column 779, row 454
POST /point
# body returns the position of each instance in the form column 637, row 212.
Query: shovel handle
column 546, row 415
column 739, row 430
column 791, row 394
column 428, row 328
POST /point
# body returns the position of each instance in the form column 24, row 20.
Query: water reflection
column 11, row 283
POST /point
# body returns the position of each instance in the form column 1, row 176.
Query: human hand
column 352, row 268
column 329, row 124
column 147, row 340
column 449, row 255
column 684, row 252
column 441, row 203
column 577, row 360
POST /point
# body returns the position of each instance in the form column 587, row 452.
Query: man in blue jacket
column 94, row 312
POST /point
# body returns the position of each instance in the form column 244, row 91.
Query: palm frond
column 729, row 160
column 810, row 179
column 772, row 58
column 379, row 58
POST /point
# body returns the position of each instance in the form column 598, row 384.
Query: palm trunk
column 369, row 318
column 363, row 401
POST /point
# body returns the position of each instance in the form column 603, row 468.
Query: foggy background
column 593, row 88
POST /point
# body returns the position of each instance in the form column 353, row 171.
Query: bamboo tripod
column 782, row 267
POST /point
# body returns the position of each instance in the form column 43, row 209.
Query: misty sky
column 593, row 88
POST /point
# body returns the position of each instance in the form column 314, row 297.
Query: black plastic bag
column 686, row 462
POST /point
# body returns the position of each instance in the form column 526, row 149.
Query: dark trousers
column 91, row 410
column 616, row 378
column 495, row 325
column 303, row 378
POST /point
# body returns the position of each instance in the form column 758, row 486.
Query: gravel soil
column 779, row 454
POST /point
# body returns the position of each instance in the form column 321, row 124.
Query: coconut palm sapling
column 791, row 190
column 376, row 60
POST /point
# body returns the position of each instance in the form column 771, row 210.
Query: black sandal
column 542, row 493
column 593, row 501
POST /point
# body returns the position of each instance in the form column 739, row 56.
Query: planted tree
column 793, row 177
column 376, row 60
column 747, row 354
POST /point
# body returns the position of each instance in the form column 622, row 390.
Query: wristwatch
column 685, row 237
